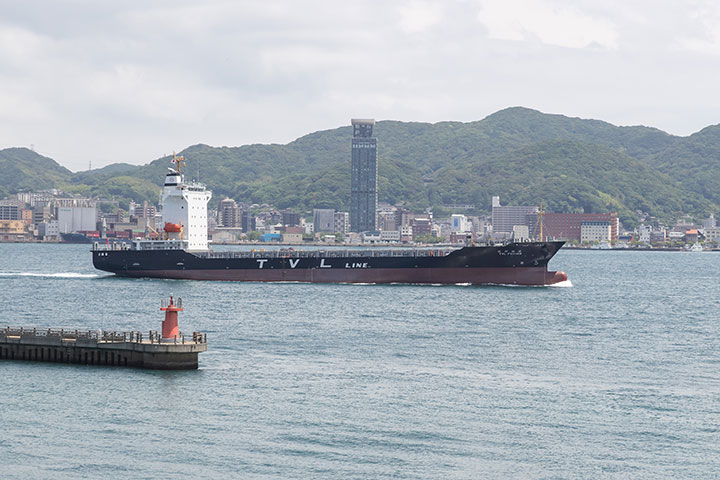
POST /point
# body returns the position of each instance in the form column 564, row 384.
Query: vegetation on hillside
column 522, row 155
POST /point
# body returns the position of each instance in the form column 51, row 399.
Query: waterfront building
column 292, row 237
column 371, row 237
column 459, row 223
column 248, row 221
column 403, row 217
column 10, row 210
column 421, row 226
column 77, row 219
column 229, row 213
column 290, row 218
column 712, row 234
column 387, row 221
column 226, row 235
column 145, row 210
column 324, row 220
column 41, row 214
column 13, row 230
column 504, row 218
column 390, row 236
column 363, row 181
column 676, row 236
column 594, row 232
column 644, row 232
column 48, row 230
column 342, row 222
column 568, row 226
column 521, row 233
column 308, row 228
column 658, row 236
column 406, row 233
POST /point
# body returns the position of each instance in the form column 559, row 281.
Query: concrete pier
column 121, row 349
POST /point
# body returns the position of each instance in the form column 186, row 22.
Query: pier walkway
column 125, row 349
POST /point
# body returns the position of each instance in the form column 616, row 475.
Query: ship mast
column 541, row 213
column 179, row 161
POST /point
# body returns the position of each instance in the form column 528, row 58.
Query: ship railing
column 140, row 245
column 104, row 247
column 333, row 253
column 101, row 336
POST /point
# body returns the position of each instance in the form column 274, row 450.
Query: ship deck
column 333, row 252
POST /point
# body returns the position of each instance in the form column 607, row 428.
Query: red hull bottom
column 448, row 276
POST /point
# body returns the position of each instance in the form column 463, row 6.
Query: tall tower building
column 363, row 199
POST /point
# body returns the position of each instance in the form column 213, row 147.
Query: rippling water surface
column 615, row 377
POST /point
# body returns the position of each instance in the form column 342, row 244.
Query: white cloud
column 705, row 39
column 124, row 81
column 416, row 16
column 563, row 26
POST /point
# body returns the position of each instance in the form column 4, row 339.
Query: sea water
column 617, row 376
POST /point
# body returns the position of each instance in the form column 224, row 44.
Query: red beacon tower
column 170, row 330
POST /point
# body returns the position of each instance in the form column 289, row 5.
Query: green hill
column 694, row 161
column 523, row 155
column 24, row 170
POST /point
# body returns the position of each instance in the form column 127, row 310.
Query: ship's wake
column 565, row 284
column 50, row 275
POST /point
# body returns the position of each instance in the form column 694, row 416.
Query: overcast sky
column 129, row 81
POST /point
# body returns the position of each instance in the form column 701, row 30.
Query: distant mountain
column 24, row 170
column 694, row 161
column 523, row 155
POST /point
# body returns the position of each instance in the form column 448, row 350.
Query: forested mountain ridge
column 523, row 155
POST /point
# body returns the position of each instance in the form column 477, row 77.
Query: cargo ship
column 182, row 252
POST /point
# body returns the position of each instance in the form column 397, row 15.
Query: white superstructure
column 184, row 210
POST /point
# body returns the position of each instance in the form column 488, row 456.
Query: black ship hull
column 512, row 264
column 76, row 238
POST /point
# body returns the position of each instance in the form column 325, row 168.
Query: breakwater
column 120, row 349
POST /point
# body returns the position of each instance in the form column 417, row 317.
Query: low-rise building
column 406, row 233
column 13, row 231
column 270, row 237
column 226, row 235
column 568, row 226
column 324, row 220
column 48, row 231
column 521, row 233
column 594, row 232
column 290, row 218
column 292, row 237
column 460, row 223
column 712, row 234
column 10, row 210
column 421, row 226
column 390, row 236
column 371, row 237
column 658, row 236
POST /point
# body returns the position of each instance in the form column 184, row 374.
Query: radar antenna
column 178, row 160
